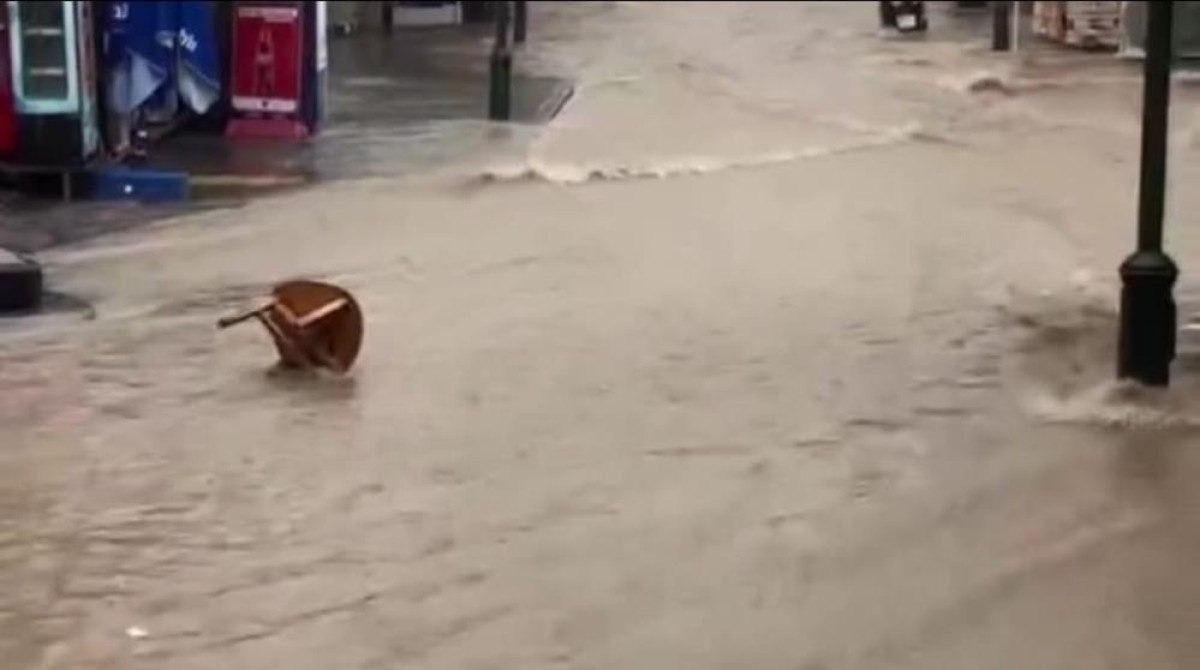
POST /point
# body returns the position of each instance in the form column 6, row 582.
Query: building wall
column 367, row 14
column 362, row 14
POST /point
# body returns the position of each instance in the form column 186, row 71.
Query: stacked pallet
column 1088, row 25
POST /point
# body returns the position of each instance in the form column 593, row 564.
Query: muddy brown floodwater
column 785, row 345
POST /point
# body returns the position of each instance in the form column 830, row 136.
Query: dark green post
column 520, row 20
column 1146, row 343
column 887, row 14
column 500, row 86
column 1001, row 40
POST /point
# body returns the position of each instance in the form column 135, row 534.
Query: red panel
column 8, row 116
column 267, row 47
column 273, row 129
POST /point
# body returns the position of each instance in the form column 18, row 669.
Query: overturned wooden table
column 312, row 323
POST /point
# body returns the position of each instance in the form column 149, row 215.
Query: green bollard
column 500, row 88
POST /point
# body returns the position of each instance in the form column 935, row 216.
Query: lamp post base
column 1146, row 344
column 1001, row 39
column 500, row 85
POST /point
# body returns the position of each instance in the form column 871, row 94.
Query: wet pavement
column 784, row 345
column 399, row 103
column 409, row 100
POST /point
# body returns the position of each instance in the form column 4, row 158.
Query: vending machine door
column 88, row 81
column 45, row 69
column 268, row 44
column 8, row 114
column 46, row 81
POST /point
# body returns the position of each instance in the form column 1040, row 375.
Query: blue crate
column 142, row 184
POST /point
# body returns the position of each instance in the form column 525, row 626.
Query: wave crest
column 572, row 174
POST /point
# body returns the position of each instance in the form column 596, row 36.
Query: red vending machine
column 8, row 112
column 267, row 70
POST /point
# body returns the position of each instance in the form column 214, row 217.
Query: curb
column 20, row 282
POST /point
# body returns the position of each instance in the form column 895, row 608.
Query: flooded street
column 785, row 345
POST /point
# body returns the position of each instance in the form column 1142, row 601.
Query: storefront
column 82, row 80
column 278, row 65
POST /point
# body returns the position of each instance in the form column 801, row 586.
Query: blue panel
column 199, row 66
column 145, row 185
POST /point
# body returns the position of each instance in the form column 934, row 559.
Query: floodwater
column 786, row 345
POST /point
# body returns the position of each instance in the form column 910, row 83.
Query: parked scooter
column 906, row 16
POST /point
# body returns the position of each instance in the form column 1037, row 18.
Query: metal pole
column 1000, row 25
column 1147, row 337
column 1016, row 25
column 887, row 14
column 500, row 88
column 1156, row 98
column 520, row 19
column 503, row 21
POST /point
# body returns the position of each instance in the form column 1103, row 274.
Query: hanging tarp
column 159, row 52
column 162, row 25
column 135, row 68
column 199, row 73
column 1185, row 29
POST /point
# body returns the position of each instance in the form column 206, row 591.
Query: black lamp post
column 520, row 20
column 887, row 14
column 500, row 79
column 1000, row 23
column 1147, row 337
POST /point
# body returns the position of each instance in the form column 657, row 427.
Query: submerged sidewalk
column 398, row 103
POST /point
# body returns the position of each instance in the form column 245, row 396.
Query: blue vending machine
column 52, row 56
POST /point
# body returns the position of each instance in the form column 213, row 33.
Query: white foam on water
column 615, row 80
column 1114, row 404
column 574, row 174
column 976, row 81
